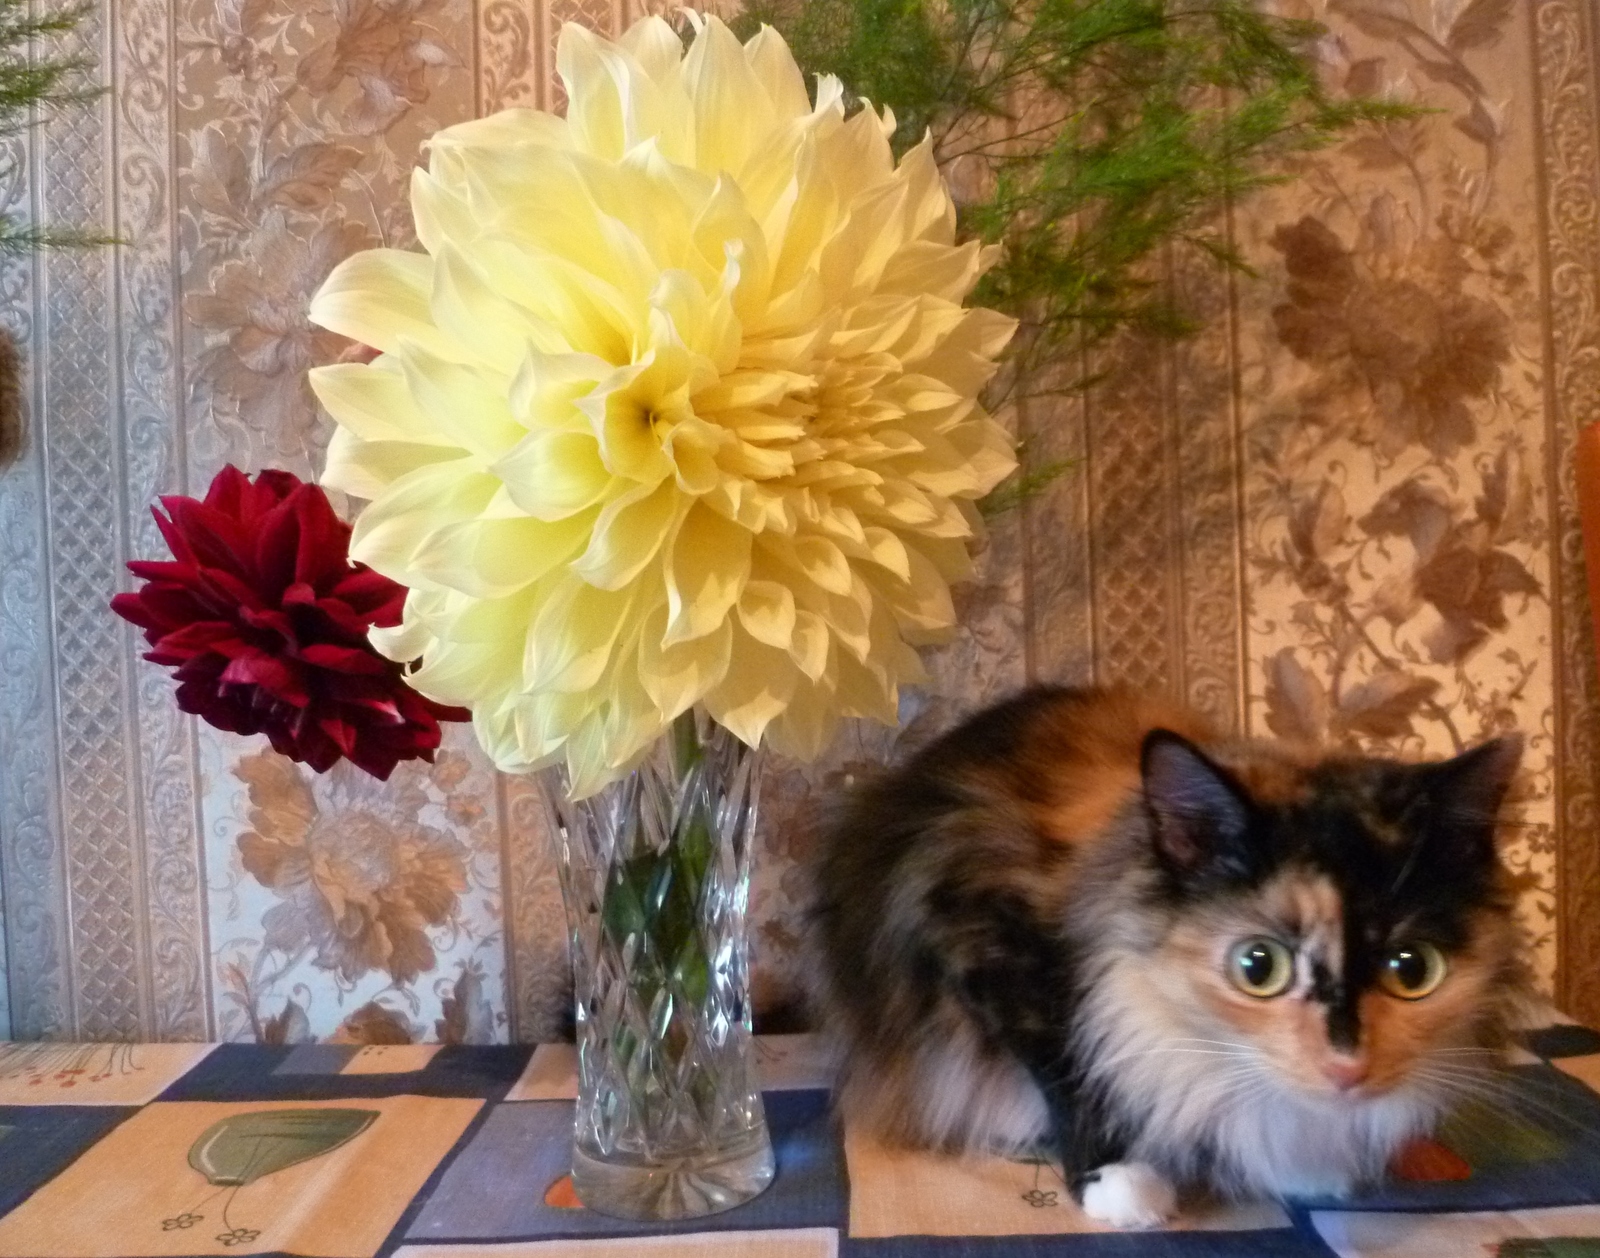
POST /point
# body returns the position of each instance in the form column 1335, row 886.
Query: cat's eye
column 1412, row 970
column 1261, row 967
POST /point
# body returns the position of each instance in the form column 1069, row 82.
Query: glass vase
column 655, row 872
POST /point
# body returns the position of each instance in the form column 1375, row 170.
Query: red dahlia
column 265, row 619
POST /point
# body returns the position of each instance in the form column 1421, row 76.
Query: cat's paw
column 1129, row 1194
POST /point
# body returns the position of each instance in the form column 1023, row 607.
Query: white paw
column 1129, row 1194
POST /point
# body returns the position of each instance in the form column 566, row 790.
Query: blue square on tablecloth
column 495, row 1188
column 316, row 1059
column 1563, row 1041
column 40, row 1141
column 1534, row 1142
column 1267, row 1243
column 257, row 1072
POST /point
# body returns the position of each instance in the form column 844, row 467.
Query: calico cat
column 1080, row 916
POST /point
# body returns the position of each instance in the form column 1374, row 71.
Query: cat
column 1189, row 961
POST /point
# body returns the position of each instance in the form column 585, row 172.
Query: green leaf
column 243, row 1148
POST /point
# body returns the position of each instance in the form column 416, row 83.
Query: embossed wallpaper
column 1345, row 510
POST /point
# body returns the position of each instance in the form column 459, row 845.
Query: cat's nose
column 1345, row 1072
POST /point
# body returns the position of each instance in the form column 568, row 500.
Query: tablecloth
column 421, row 1151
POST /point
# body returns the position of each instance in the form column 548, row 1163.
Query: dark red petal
column 340, row 731
column 164, row 570
column 227, row 489
column 174, row 605
column 217, row 540
column 173, row 535
column 273, row 675
column 324, row 554
column 203, row 635
column 277, row 485
column 227, row 589
column 131, row 607
column 277, row 541
column 346, row 659
column 372, row 595
column 271, row 621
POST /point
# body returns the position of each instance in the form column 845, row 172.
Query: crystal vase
column 655, row 873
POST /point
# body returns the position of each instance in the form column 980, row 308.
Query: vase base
column 678, row 1188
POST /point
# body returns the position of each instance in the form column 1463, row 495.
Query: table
column 422, row 1151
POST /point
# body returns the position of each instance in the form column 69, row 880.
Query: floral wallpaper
column 1343, row 511
column 1397, row 535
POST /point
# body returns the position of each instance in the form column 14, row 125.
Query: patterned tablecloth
column 456, row 1152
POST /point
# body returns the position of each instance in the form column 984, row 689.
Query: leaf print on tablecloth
column 236, row 1151
column 243, row 1148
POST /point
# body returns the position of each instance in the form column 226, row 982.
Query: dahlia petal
column 216, row 541
column 468, row 310
column 806, row 726
column 628, row 533
column 573, row 635
column 348, row 660
column 372, row 401
column 767, row 612
column 341, row 733
column 440, row 209
column 733, row 113
column 507, row 129
column 268, row 673
column 491, row 558
column 226, row 492
column 708, row 560
column 370, row 594
column 132, row 608
column 809, row 644
column 774, row 67
column 593, row 72
column 759, row 684
column 364, row 469
column 320, row 557
column 380, row 297
column 470, row 406
column 166, row 571
column 922, row 601
column 554, row 475
column 654, row 45
column 677, row 677
column 391, row 531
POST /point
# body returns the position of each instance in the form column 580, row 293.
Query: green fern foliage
column 35, row 82
column 1084, row 138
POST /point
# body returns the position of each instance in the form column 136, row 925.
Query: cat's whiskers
column 1490, row 1088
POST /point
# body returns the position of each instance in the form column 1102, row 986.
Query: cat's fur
column 1023, row 934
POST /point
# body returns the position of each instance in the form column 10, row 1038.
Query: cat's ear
column 1466, row 792
column 1200, row 815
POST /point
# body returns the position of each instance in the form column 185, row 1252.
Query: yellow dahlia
column 678, row 407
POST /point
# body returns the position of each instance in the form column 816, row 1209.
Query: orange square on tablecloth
column 151, row 1186
column 93, row 1074
column 915, row 1192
